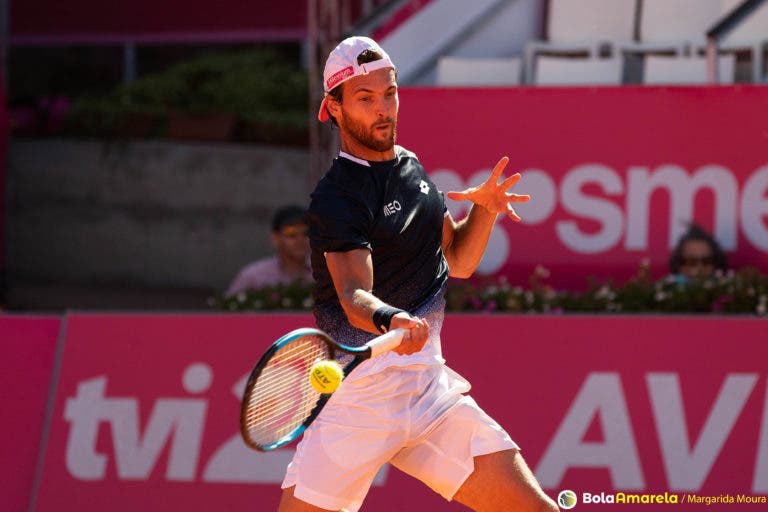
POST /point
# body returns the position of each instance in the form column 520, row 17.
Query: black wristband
column 382, row 317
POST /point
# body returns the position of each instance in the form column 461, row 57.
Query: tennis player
column 383, row 245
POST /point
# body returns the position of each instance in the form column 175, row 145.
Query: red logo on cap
column 338, row 77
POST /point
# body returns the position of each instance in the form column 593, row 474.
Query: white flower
column 604, row 292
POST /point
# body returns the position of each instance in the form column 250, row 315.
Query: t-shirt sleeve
column 338, row 223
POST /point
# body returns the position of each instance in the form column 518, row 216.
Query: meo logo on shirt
column 391, row 208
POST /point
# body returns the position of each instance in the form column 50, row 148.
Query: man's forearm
column 359, row 307
column 470, row 238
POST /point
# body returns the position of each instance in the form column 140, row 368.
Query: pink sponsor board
column 630, row 407
column 614, row 172
column 28, row 346
column 145, row 415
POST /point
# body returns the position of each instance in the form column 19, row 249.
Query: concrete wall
column 143, row 213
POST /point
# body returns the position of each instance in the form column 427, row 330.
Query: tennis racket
column 279, row 402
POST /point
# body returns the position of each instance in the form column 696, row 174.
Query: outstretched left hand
column 493, row 195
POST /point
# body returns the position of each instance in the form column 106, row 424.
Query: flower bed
column 734, row 292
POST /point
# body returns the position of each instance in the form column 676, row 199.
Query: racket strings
column 282, row 397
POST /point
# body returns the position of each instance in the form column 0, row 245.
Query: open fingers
column 512, row 214
column 497, row 170
column 457, row 196
column 460, row 196
column 518, row 198
column 511, row 181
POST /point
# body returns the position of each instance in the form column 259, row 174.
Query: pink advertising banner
column 612, row 408
column 28, row 347
column 625, row 409
column 614, row 173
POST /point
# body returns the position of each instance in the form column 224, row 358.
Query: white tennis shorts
column 415, row 417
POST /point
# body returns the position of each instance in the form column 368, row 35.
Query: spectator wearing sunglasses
column 290, row 261
column 697, row 256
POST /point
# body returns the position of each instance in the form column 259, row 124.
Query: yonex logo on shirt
column 391, row 208
column 424, row 187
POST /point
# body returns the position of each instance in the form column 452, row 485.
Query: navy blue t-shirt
column 391, row 208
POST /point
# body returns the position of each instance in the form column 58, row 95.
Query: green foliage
column 733, row 292
column 258, row 87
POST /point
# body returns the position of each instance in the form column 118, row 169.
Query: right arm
column 352, row 275
column 464, row 242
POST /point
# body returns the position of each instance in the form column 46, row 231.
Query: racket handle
column 386, row 342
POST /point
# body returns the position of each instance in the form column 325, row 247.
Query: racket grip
column 386, row 342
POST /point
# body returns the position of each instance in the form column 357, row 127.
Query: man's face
column 291, row 242
column 368, row 111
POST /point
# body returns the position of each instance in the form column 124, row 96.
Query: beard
column 365, row 135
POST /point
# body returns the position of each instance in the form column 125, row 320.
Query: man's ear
column 333, row 106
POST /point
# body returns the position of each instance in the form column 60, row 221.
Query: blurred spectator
column 697, row 255
column 291, row 259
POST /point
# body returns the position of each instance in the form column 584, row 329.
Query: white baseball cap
column 342, row 65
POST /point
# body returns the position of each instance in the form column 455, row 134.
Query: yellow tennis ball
column 325, row 376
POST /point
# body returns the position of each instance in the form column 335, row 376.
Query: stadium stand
column 674, row 69
column 680, row 21
column 552, row 70
column 581, row 28
column 458, row 71
column 644, row 41
column 750, row 39
column 671, row 41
